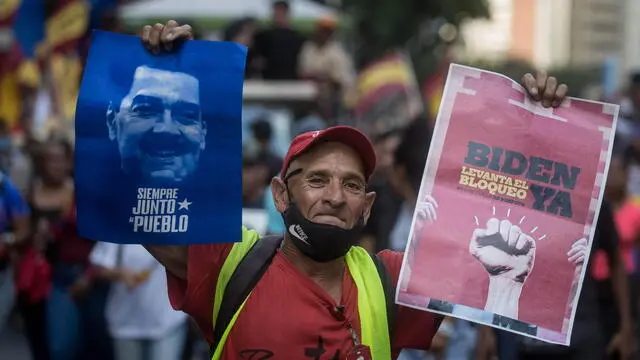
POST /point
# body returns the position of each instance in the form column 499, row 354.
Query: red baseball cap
column 347, row 135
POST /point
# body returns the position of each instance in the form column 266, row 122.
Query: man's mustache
column 163, row 143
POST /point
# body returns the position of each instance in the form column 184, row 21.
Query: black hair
column 262, row 130
column 58, row 140
column 412, row 151
column 4, row 126
column 52, row 141
column 234, row 28
column 635, row 78
column 281, row 3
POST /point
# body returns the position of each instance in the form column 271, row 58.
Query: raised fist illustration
column 504, row 250
column 578, row 252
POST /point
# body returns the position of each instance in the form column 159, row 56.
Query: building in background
column 552, row 33
column 631, row 43
column 550, row 29
column 597, row 30
column 489, row 39
column 536, row 31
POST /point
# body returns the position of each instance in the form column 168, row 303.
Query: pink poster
column 507, row 206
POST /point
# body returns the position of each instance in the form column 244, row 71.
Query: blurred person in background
column 14, row 160
column 406, row 176
column 49, row 195
column 631, row 160
column 243, row 32
column 255, row 177
column 6, row 148
column 309, row 121
column 384, row 213
column 14, row 230
column 309, row 116
column 76, row 304
column 263, row 135
column 324, row 61
column 266, row 158
column 630, row 105
column 141, row 321
column 278, row 46
column 627, row 139
column 627, row 220
column 588, row 340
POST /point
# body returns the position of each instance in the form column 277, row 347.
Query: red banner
column 66, row 29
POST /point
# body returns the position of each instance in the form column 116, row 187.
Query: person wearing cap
column 324, row 60
column 310, row 303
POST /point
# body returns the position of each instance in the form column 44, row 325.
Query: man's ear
column 279, row 193
column 203, row 141
column 112, row 113
column 369, row 198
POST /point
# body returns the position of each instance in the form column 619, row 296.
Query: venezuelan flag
column 389, row 75
column 433, row 88
column 21, row 28
column 66, row 30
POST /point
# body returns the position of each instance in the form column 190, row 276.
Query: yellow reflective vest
column 372, row 308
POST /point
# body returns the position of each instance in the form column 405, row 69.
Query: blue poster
column 158, row 156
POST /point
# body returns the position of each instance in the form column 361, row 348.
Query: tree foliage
column 382, row 25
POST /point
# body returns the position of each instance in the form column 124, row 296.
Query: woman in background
column 49, row 193
column 141, row 321
column 77, row 300
column 626, row 208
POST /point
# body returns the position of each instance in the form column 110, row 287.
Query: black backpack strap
column 244, row 279
column 389, row 292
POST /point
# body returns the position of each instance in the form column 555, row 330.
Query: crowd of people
column 76, row 299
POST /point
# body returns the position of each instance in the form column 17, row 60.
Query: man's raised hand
column 164, row 37
column 545, row 89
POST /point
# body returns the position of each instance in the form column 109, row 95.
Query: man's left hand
column 623, row 344
column 545, row 89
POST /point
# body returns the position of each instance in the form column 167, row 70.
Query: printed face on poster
column 158, row 142
column 508, row 207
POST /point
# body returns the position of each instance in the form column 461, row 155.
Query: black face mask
column 320, row 242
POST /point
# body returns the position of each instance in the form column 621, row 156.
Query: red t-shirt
column 288, row 316
column 627, row 219
column 71, row 249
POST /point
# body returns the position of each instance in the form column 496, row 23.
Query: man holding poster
column 518, row 188
column 322, row 195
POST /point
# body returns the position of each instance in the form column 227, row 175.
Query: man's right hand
column 165, row 37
